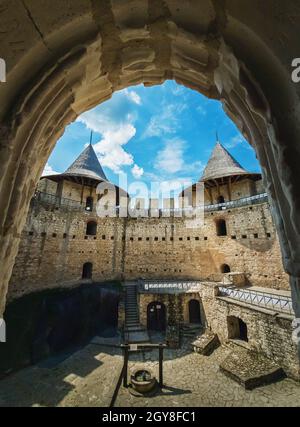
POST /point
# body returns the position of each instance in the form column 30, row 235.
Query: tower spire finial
column 91, row 137
column 217, row 136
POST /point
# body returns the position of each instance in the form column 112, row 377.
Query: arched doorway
column 87, row 270
column 156, row 316
column 194, row 311
column 228, row 71
column 225, row 268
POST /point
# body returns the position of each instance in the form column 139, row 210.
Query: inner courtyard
column 114, row 295
column 88, row 379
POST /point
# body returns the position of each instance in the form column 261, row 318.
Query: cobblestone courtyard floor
column 89, row 376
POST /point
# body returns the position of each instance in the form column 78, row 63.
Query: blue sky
column 162, row 133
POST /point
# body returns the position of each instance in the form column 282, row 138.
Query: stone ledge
column 264, row 310
column 206, row 343
column 250, row 369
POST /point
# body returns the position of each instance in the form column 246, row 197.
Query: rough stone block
column 250, row 369
column 206, row 343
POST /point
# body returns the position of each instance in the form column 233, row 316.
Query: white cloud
column 115, row 135
column 178, row 90
column 237, row 140
column 195, row 167
column 201, row 110
column 170, row 158
column 137, row 171
column 133, row 96
column 48, row 170
column 166, row 121
column 110, row 148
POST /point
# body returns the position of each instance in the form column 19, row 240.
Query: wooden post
column 229, row 189
column 125, row 367
column 211, row 196
column 161, row 358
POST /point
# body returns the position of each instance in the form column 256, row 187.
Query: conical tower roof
column 86, row 169
column 87, row 165
column 221, row 164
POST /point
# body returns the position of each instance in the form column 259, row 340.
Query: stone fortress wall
column 55, row 246
column 65, row 244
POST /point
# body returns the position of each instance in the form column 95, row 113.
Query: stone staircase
column 134, row 331
column 190, row 330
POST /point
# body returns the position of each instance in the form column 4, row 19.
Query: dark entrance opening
column 237, row 328
column 225, row 268
column 91, row 228
column 156, row 316
column 243, row 330
column 87, row 270
column 194, row 311
column 221, row 227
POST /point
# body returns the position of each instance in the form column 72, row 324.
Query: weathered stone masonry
column 65, row 243
column 269, row 333
column 54, row 247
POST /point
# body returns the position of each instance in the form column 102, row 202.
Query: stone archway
column 87, row 271
column 68, row 57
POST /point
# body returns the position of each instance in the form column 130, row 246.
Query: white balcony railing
column 275, row 302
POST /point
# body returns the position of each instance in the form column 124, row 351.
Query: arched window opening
column 87, row 270
column 89, row 203
column 237, row 328
column 221, row 227
column 91, row 228
column 225, row 268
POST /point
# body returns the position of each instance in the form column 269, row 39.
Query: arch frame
column 87, row 271
column 215, row 48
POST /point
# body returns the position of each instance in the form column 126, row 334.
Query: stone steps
column 190, row 330
column 134, row 332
